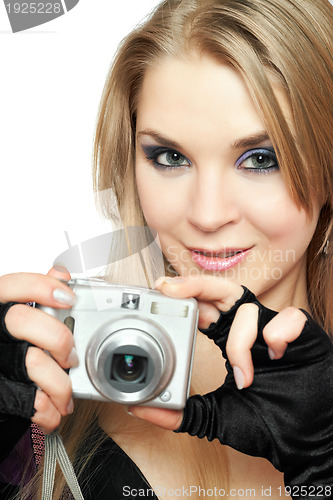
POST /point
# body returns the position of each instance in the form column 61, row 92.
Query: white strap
column 55, row 451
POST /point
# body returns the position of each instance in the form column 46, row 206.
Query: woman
column 231, row 139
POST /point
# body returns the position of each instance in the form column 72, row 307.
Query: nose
column 214, row 200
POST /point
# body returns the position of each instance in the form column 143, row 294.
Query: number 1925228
column 306, row 491
column 34, row 8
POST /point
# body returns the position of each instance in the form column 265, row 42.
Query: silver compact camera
column 135, row 345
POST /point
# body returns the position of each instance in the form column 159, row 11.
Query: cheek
column 284, row 224
column 150, row 208
column 160, row 205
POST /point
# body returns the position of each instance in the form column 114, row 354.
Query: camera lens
column 129, row 368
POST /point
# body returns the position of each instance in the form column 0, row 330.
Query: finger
column 208, row 314
column 59, row 272
column 284, row 328
column 31, row 287
column 242, row 335
column 167, row 419
column 203, row 287
column 43, row 330
column 46, row 416
column 50, row 378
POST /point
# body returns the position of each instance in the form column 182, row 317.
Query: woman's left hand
column 214, row 296
column 286, row 415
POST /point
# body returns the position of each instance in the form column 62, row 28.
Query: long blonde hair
column 288, row 43
column 284, row 42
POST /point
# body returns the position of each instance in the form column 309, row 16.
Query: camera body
column 135, row 345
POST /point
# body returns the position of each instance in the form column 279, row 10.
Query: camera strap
column 56, row 452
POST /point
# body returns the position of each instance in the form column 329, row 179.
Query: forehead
column 198, row 96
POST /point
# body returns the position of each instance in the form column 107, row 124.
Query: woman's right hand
column 54, row 395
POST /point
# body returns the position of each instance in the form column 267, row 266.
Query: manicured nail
column 168, row 279
column 271, row 354
column 64, row 297
column 239, row 377
column 70, row 407
column 128, row 409
column 73, row 358
column 60, row 268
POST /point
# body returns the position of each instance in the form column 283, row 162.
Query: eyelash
column 259, row 152
column 152, row 154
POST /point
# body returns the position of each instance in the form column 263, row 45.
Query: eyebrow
column 251, row 141
column 164, row 141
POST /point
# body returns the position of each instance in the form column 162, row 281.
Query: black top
column 112, row 474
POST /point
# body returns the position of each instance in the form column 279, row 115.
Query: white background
column 51, row 81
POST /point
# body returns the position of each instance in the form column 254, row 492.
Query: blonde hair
column 283, row 42
column 288, row 43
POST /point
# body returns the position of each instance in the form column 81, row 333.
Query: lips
column 220, row 255
column 220, row 260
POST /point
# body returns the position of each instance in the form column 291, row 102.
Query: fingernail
column 271, row 354
column 168, row 279
column 73, row 358
column 128, row 409
column 70, row 407
column 64, row 297
column 60, row 268
column 239, row 377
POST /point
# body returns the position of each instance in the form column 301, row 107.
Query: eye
column 171, row 159
column 165, row 158
column 261, row 160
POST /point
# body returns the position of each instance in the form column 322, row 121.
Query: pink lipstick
column 219, row 261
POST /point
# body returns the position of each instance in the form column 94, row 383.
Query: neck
column 291, row 290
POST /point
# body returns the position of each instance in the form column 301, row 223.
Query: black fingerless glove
column 285, row 416
column 17, row 391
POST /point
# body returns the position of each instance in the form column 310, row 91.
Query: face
column 209, row 182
